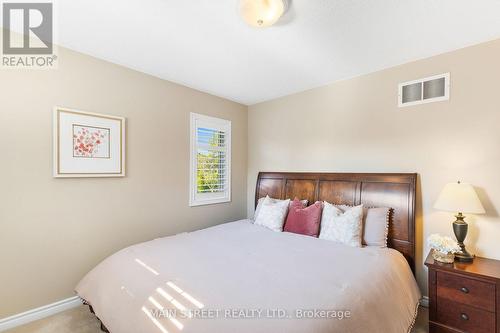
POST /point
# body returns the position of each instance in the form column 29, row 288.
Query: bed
column 241, row 277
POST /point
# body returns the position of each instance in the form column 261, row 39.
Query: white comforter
column 239, row 277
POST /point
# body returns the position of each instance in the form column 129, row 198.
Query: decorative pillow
column 302, row 220
column 259, row 204
column 344, row 227
column 376, row 226
column 272, row 214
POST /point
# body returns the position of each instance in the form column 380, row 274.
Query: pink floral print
column 89, row 141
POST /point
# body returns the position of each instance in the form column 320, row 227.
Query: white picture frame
column 87, row 144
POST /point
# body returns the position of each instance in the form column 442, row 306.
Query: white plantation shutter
column 210, row 177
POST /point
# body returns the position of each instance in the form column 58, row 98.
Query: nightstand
column 464, row 297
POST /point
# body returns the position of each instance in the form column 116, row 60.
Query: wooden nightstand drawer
column 467, row 291
column 464, row 318
column 464, row 297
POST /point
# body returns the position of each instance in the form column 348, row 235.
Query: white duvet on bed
column 239, row 277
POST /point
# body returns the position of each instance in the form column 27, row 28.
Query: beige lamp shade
column 459, row 197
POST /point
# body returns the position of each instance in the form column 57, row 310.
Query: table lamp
column 460, row 198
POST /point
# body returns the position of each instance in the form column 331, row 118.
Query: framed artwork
column 88, row 144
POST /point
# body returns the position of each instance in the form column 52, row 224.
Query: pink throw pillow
column 302, row 220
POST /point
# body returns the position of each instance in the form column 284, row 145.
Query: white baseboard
column 424, row 301
column 39, row 313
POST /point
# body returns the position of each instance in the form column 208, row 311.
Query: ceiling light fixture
column 262, row 13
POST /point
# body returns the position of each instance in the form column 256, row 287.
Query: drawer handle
column 464, row 316
column 464, row 290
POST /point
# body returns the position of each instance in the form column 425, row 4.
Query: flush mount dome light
column 262, row 13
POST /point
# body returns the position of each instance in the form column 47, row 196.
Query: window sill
column 197, row 203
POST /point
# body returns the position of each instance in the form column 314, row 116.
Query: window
column 210, row 179
column 431, row 89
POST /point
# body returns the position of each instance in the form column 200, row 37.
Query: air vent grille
column 431, row 89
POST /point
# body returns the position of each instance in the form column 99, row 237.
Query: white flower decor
column 443, row 244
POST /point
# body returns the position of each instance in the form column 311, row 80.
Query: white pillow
column 259, row 204
column 344, row 227
column 272, row 214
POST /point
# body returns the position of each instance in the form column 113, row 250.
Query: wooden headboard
column 394, row 190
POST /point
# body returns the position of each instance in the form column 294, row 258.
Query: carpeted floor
column 80, row 320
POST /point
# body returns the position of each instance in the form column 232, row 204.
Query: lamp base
column 460, row 229
column 464, row 256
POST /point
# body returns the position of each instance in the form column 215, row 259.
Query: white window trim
column 212, row 122
column 446, row 96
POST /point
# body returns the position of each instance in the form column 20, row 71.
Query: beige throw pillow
column 376, row 226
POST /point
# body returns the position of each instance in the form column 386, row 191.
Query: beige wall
column 52, row 231
column 356, row 126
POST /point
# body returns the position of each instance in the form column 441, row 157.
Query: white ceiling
column 203, row 44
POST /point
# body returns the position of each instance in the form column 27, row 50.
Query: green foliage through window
column 211, row 161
